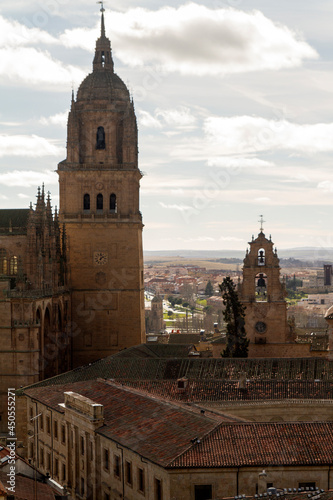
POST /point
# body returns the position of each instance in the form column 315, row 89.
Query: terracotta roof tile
column 220, row 390
column 163, row 432
column 25, row 488
column 156, row 429
column 262, row 444
column 117, row 367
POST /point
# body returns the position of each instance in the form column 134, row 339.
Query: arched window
column 261, row 257
column 113, row 203
column 13, row 265
column 3, row 261
column 261, row 287
column 99, row 202
column 100, row 138
column 86, row 202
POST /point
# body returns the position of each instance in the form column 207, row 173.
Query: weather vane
column 261, row 222
column 102, row 6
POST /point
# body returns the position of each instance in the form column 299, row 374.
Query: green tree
column 234, row 317
column 172, row 299
column 170, row 313
column 209, row 290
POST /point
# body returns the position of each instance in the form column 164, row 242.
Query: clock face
column 100, row 258
column 260, row 327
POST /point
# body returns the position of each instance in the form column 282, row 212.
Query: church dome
column 103, row 84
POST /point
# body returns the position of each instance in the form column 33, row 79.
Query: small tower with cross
column 263, row 294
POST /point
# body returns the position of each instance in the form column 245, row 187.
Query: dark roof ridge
column 159, row 399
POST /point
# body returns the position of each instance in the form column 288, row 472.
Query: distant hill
column 289, row 257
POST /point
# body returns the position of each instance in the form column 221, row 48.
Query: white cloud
column 24, row 145
column 240, row 162
column 14, row 34
column 326, row 186
column 248, row 134
column 58, row 119
column 180, row 208
column 31, row 67
column 24, row 196
column 147, row 120
column 179, row 118
column 28, row 178
column 262, row 199
column 230, row 238
column 194, row 39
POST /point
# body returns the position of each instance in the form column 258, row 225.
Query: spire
column 103, row 54
column 103, row 24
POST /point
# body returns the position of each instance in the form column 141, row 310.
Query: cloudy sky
column 234, row 101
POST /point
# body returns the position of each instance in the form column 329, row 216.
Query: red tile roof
column 25, row 488
column 227, row 390
column 262, row 444
column 156, row 429
column 162, row 432
column 138, row 368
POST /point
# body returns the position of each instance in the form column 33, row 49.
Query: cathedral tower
column 263, row 294
column 99, row 206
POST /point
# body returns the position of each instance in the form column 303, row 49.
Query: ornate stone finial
column 261, row 223
column 252, row 237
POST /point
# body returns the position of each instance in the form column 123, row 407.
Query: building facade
column 263, row 294
column 35, row 303
column 72, row 283
column 99, row 206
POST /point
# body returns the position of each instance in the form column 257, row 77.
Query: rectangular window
column 55, row 429
column 42, row 456
column 158, row 489
column 49, row 461
column 82, row 445
column 56, row 467
column 106, row 496
column 116, row 468
column 129, row 473
column 82, row 486
column 106, row 459
column 64, row 472
column 91, row 451
column 63, row 434
column 141, row 480
column 32, row 450
column 41, row 420
column 48, row 425
column 203, row 492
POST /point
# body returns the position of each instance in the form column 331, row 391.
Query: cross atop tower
column 261, row 223
column 102, row 6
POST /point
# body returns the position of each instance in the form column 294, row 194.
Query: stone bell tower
column 263, row 294
column 99, row 206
